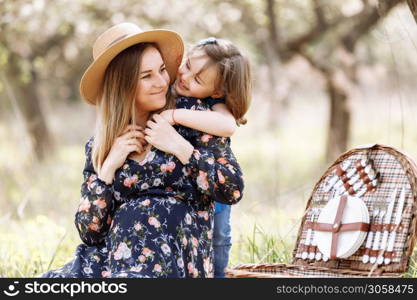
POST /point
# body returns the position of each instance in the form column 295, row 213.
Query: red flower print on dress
column 130, row 180
column 164, row 168
column 203, row 214
column 101, row 203
column 138, row 226
column 136, row 268
column 91, row 179
column 222, row 180
column 236, row 194
column 206, row 265
column 127, row 182
column 170, row 166
column 105, row 273
column 202, row 181
column 206, row 138
column 157, row 268
column 147, row 252
column 190, row 268
column 145, row 202
column 93, row 227
column 84, row 205
column 122, row 252
column 180, row 262
column 222, row 160
column 154, row 222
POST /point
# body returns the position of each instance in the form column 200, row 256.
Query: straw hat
column 120, row 37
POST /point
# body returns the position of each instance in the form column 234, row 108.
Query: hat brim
column 170, row 45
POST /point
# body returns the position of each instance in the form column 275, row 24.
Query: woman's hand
column 163, row 136
column 132, row 139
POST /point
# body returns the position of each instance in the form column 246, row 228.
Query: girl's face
column 191, row 83
column 153, row 82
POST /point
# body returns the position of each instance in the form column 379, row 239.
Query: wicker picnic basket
column 396, row 171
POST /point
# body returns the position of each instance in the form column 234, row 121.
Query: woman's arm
column 219, row 122
column 97, row 204
column 209, row 162
column 216, row 170
column 94, row 214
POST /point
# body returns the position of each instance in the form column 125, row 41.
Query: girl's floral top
column 156, row 218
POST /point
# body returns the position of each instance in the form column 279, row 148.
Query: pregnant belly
column 144, row 225
column 153, row 214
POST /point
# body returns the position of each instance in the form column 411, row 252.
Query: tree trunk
column 278, row 87
column 29, row 103
column 340, row 116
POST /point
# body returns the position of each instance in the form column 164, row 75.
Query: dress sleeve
column 94, row 214
column 215, row 170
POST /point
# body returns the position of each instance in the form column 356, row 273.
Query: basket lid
column 397, row 171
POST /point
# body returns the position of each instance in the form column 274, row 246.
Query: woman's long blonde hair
column 117, row 100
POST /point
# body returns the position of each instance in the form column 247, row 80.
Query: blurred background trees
column 320, row 68
column 45, row 46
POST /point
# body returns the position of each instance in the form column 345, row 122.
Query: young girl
column 213, row 91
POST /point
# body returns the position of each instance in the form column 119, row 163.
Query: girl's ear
column 218, row 94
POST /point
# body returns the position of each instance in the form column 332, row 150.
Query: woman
column 145, row 209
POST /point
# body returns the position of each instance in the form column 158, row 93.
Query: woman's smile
column 163, row 91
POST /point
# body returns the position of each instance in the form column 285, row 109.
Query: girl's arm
column 219, row 122
column 208, row 160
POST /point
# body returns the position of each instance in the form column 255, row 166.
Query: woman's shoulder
column 89, row 145
column 212, row 101
column 191, row 103
column 197, row 103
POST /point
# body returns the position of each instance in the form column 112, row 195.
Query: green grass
column 33, row 246
column 261, row 247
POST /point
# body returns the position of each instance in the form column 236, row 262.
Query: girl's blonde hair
column 234, row 74
column 116, row 105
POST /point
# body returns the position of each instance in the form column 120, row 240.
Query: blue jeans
column 222, row 240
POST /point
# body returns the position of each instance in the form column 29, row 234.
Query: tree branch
column 272, row 25
column 55, row 40
column 365, row 20
column 321, row 27
column 318, row 9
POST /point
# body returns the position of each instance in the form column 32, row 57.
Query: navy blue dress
column 156, row 218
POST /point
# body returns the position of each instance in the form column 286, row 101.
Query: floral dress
column 156, row 218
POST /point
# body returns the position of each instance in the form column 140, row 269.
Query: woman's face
column 153, row 82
